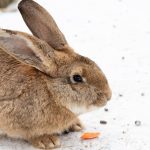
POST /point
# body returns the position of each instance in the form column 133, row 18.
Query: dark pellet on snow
column 106, row 109
column 122, row 57
column 103, row 122
column 120, row 95
column 138, row 123
column 142, row 94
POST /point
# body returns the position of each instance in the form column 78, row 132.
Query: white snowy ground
column 115, row 34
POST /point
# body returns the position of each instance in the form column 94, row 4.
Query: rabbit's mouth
column 81, row 109
column 100, row 103
column 101, row 100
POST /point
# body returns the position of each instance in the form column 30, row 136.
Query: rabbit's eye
column 77, row 78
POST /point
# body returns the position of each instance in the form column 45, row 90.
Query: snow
column 116, row 35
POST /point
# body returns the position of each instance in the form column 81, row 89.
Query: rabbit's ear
column 41, row 24
column 29, row 50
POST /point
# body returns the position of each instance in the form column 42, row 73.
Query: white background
column 116, row 35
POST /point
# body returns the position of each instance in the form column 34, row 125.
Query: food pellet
column 106, row 109
column 120, row 95
column 103, row 122
column 123, row 58
column 137, row 123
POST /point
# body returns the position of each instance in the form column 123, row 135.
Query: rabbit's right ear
column 41, row 24
column 29, row 50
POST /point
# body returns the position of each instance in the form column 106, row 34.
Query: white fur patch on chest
column 78, row 110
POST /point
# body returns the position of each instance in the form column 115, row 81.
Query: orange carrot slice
column 90, row 135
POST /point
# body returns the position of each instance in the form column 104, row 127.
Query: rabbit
column 44, row 84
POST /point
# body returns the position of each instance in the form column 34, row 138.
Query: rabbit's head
column 75, row 81
column 81, row 86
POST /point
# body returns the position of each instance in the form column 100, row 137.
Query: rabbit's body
column 25, row 102
column 44, row 84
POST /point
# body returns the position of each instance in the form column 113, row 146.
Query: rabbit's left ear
column 41, row 24
column 28, row 50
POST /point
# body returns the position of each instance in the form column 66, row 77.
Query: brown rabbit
column 44, row 84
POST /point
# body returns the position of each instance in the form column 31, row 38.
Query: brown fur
column 5, row 3
column 38, row 98
column 25, row 102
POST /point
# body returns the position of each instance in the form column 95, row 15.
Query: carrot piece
column 90, row 135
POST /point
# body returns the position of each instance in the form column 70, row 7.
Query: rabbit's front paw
column 76, row 127
column 46, row 142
